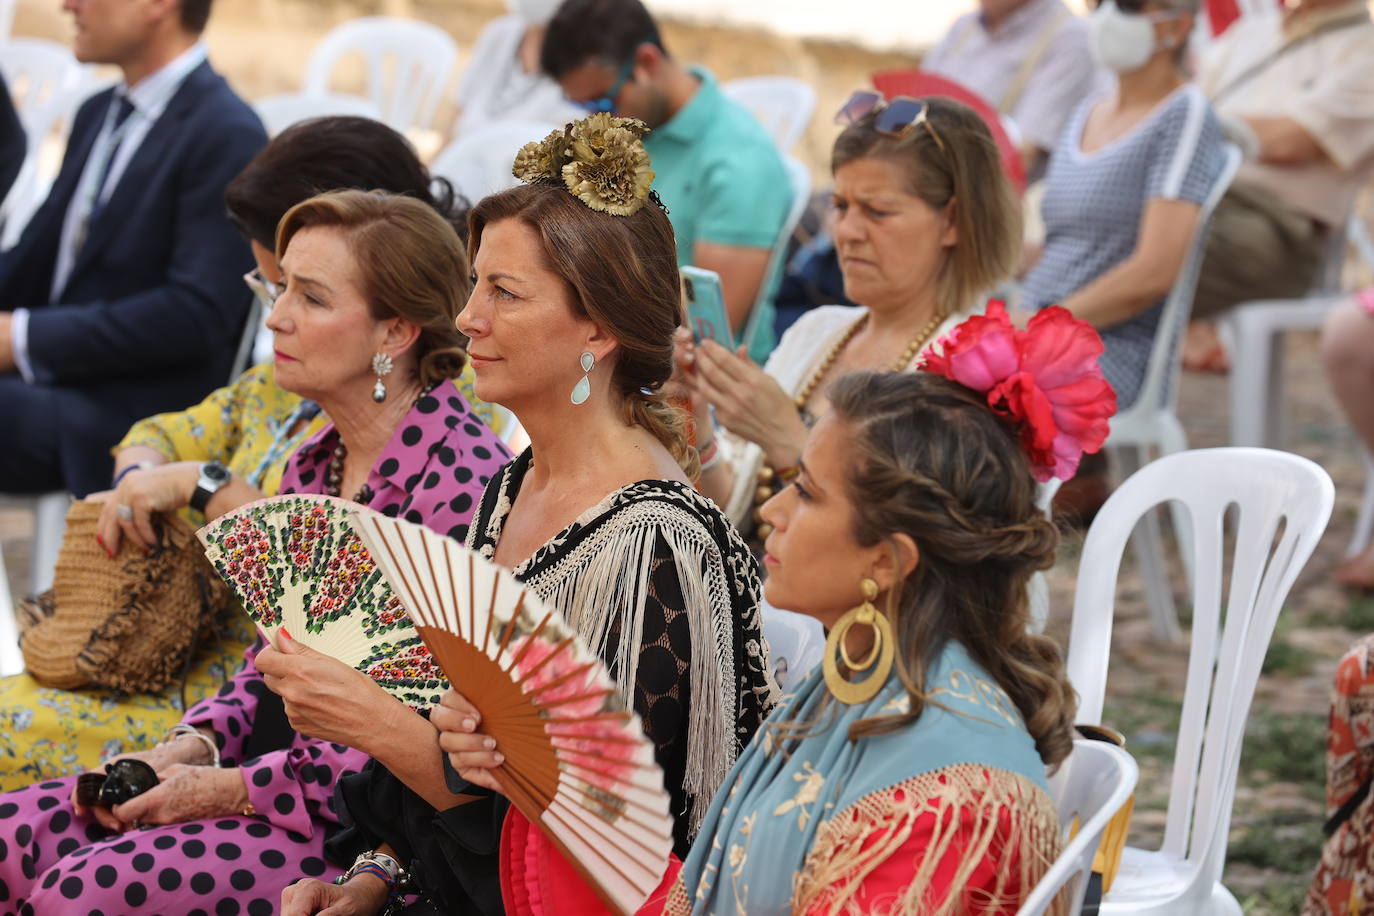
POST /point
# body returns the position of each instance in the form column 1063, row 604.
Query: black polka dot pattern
column 53, row 862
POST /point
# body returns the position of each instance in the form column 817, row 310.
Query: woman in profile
column 571, row 324
column 907, row 774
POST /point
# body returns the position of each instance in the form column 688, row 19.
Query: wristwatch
column 213, row 475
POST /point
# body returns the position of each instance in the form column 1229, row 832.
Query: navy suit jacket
column 154, row 307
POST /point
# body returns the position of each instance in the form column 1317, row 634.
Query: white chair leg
column 1364, row 522
column 1249, row 377
column 11, row 661
column 49, row 524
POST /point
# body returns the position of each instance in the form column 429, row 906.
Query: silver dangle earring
column 583, row 389
column 381, row 365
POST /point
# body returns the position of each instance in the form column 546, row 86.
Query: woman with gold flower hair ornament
column 571, row 325
column 907, row 774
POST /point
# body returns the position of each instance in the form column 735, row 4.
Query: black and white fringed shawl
column 662, row 587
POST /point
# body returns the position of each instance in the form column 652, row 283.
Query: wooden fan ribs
column 576, row 761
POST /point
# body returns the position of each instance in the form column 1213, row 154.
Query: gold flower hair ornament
column 600, row 159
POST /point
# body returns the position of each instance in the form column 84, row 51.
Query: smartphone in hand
column 706, row 314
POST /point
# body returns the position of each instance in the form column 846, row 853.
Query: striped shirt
column 1093, row 206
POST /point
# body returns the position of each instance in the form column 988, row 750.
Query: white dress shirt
column 149, row 97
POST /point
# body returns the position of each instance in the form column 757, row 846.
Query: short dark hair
column 195, row 14
column 603, row 30
column 332, row 154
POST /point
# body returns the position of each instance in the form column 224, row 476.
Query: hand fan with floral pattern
column 296, row 563
column 577, row 761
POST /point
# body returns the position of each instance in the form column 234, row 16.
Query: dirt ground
column 262, row 46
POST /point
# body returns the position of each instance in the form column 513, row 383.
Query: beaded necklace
column 768, row 478
column 333, row 480
column 912, row 348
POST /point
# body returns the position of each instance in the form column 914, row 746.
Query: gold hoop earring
column 879, row 658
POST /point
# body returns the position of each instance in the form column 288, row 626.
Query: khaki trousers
column 1258, row 248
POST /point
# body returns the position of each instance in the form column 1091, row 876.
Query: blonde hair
column 967, row 171
column 410, row 262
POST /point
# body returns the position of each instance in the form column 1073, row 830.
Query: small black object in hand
column 121, row 781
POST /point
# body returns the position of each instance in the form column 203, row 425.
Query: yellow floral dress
column 46, row 733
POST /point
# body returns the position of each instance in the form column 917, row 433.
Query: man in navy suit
column 124, row 296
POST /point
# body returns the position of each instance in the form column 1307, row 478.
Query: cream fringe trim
column 600, row 587
column 839, row 861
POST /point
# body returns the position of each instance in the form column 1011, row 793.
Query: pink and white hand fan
column 577, row 761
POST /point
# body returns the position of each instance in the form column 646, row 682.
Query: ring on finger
column 125, row 513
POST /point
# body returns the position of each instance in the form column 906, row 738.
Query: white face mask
column 1122, row 42
column 534, row 12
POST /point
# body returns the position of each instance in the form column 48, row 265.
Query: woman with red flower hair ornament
column 925, row 225
column 907, row 774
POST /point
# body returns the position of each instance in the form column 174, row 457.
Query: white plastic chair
column 1256, row 336
column 783, row 104
column 799, row 176
column 1088, row 789
column 1038, row 589
column 278, row 112
column 796, row 644
column 47, row 86
column 479, row 162
column 408, row 66
column 1268, row 490
column 7, row 8
column 1364, row 522
column 1151, row 422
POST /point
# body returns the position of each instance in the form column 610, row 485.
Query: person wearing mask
column 1029, row 59
column 1294, row 80
column 715, row 167
column 124, row 296
column 503, row 81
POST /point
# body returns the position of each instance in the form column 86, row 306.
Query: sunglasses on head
column 1137, row 7
column 606, row 103
column 894, row 118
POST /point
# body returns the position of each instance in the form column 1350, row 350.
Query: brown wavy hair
column 968, row 171
column 623, row 274
column 410, row 262
column 928, row 458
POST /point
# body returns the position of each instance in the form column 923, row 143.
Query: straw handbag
column 131, row 622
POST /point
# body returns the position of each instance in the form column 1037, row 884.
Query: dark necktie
column 123, row 108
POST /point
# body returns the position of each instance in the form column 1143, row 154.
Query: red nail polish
column 287, row 633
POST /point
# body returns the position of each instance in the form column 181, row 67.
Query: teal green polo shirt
column 721, row 178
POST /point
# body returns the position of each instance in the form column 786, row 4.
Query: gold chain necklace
column 912, row 348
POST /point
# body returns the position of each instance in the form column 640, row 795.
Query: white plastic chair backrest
column 39, row 74
column 1038, row 589
column 7, row 8
column 1160, row 386
column 408, row 65
column 1088, row 789
column 1268, row 489
column 796, row 644
column 799, row 177
column 278, row 112
column 479, row 162
column 783, row 105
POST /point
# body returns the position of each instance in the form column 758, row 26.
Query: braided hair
column 931, row 460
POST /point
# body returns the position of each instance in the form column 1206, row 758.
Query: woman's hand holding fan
column 574, row 759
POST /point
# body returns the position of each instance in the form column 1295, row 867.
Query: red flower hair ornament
column 1045, row 378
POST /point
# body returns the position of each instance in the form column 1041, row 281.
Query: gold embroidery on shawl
column 807, row 793
column 678, row 903
column 839, row 861
column 979, row 692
